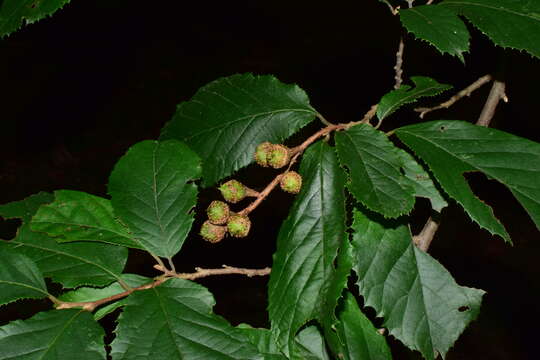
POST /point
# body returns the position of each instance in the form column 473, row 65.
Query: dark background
column 80, row 87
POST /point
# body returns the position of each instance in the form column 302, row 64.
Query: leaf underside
column 451, row 148
column 226, row 120
column 420, row 302
column 508, row 23
column 310, row 345
column 307, row 246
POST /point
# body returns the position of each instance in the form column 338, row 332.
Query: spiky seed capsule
column 233, row 191
column 218, row 212
column 291, row 182
column 279, row 156
column 238, row 225
column 262, row 152
column 212, row 233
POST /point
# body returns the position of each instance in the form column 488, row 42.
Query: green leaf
column 78, row 216
column 84, row 294
column 53, row 335
column 15, row 13
column 438, row 26
column 307, row 246
column 374, row 166
column 421, row 303
column 20, row 278
column 175, row 321
column 72, row 264
column 226, row 120
column 152, row 192
column 262, row 339
column 451, row 148
column 421, row 181
column 423, row 86
column 508, row 23
column 25, row 209
column 360, row 338
column 310, row 345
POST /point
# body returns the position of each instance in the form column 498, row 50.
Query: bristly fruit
column 238, row 225
column 233, row 191
column 291, row 182
column 218, row 212
column 212, row 233
column 279, row 156
column 262, row 152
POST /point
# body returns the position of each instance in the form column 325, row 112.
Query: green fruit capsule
column 279, row 156
column 291, row 182
column 262, row 152
column 233, row 191
column 218, row 212
column 238, row 225
column 212, row 233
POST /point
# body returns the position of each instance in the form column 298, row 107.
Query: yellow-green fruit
column 233, row 191
column 291, row 182
column 218, row 212
column 238, row 225
column 262, row 152
column 212, row 233
column 279, row 156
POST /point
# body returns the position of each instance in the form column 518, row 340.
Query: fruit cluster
column 221, row 220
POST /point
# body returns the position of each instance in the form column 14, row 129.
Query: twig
column 199, row 273
column 399, row 63
column 410, row 2
column 423, row 240
column 392, row 9
column 429, row 2
column 465, row 92
column 495, row 94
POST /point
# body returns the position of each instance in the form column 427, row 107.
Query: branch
column 465, row 92
column 423, row 240
column 399, row 63
column 495, row 94
column 227, row 270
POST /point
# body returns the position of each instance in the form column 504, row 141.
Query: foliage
column 349, row 217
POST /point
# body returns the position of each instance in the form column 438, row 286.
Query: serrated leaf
column 83, row 294
column 25, row 209
column 360, row 338
column 508, row 23
column 71, row 264
column 307, row 246
column 263, row 341
column 152, row 192
column 374, row 168
column 421, row 181
column 423, row 86
column 420, row 302
column 175, row 321
column 15, row 13
column 310, row 345
column 226, row 120
column 53, row 335
column 438, row 26
column 451, row 148
column 78, row 216
column 20, row 278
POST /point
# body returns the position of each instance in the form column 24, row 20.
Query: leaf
column 438, row 26
column 53, row 335
column 152, row 192
column 361, row 339
column 307, row 246
column 19, row 278
column 84, row 294
column 175, row 321
column 421, row 303
column 374, row 166
column 262, row 339
column 423, row 86
column 226, row 120
column 451, row 148
column 15, row 13
column 508, row 23
column 25, row 209
column 310, row 345
column 71, row 264
column 78, row 216
column 421, row 181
